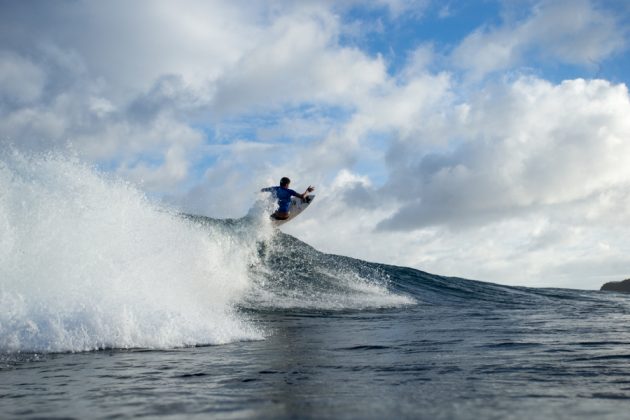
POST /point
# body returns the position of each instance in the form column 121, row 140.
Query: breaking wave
column 88, row 262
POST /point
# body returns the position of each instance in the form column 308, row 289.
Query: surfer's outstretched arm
column 305, row 193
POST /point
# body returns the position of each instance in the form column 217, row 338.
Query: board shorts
column 279, row 215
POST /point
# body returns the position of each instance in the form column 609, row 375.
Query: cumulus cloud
column 237, row 51
column 132, row 44
column 304, row 46
column 519, row 147
column 144, row 81
column 398, row 7
column 574, row 32
column 23, row 81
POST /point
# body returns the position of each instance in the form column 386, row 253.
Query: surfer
column 283, row 194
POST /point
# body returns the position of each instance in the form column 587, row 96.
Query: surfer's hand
column 310, row 188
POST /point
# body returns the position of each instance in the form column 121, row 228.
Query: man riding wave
column 283, row 194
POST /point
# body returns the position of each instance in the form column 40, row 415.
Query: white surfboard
column 296, row 207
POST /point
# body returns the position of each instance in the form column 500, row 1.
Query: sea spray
column 87, row 262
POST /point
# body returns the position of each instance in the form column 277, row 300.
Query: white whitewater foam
column 87, row 262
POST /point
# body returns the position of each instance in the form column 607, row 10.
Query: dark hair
column 285, row 181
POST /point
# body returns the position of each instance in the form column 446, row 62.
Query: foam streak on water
column 88, row 262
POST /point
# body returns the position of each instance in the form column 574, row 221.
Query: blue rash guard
column 284, row 197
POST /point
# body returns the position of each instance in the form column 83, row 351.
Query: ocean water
column 114, row 307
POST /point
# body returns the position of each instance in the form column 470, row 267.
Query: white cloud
column 509, row 156
column 397, row 8
column 298, row 60
column 22, row 81
column 141, row 67
column 445, row 11
column 162, row 176
column 574, row 32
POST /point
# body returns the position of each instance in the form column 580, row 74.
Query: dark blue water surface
column 349, row 339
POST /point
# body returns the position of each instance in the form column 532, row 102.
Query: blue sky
column 482, row 139
column 396, row 36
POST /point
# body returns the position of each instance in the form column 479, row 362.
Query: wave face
column 291, row 275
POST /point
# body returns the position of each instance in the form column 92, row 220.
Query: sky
column 483, row 139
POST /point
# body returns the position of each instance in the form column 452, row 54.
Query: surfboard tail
column 296, row 207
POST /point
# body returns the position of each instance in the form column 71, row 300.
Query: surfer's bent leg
column 280, row 215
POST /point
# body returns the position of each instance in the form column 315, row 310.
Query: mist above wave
column 87, row 262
